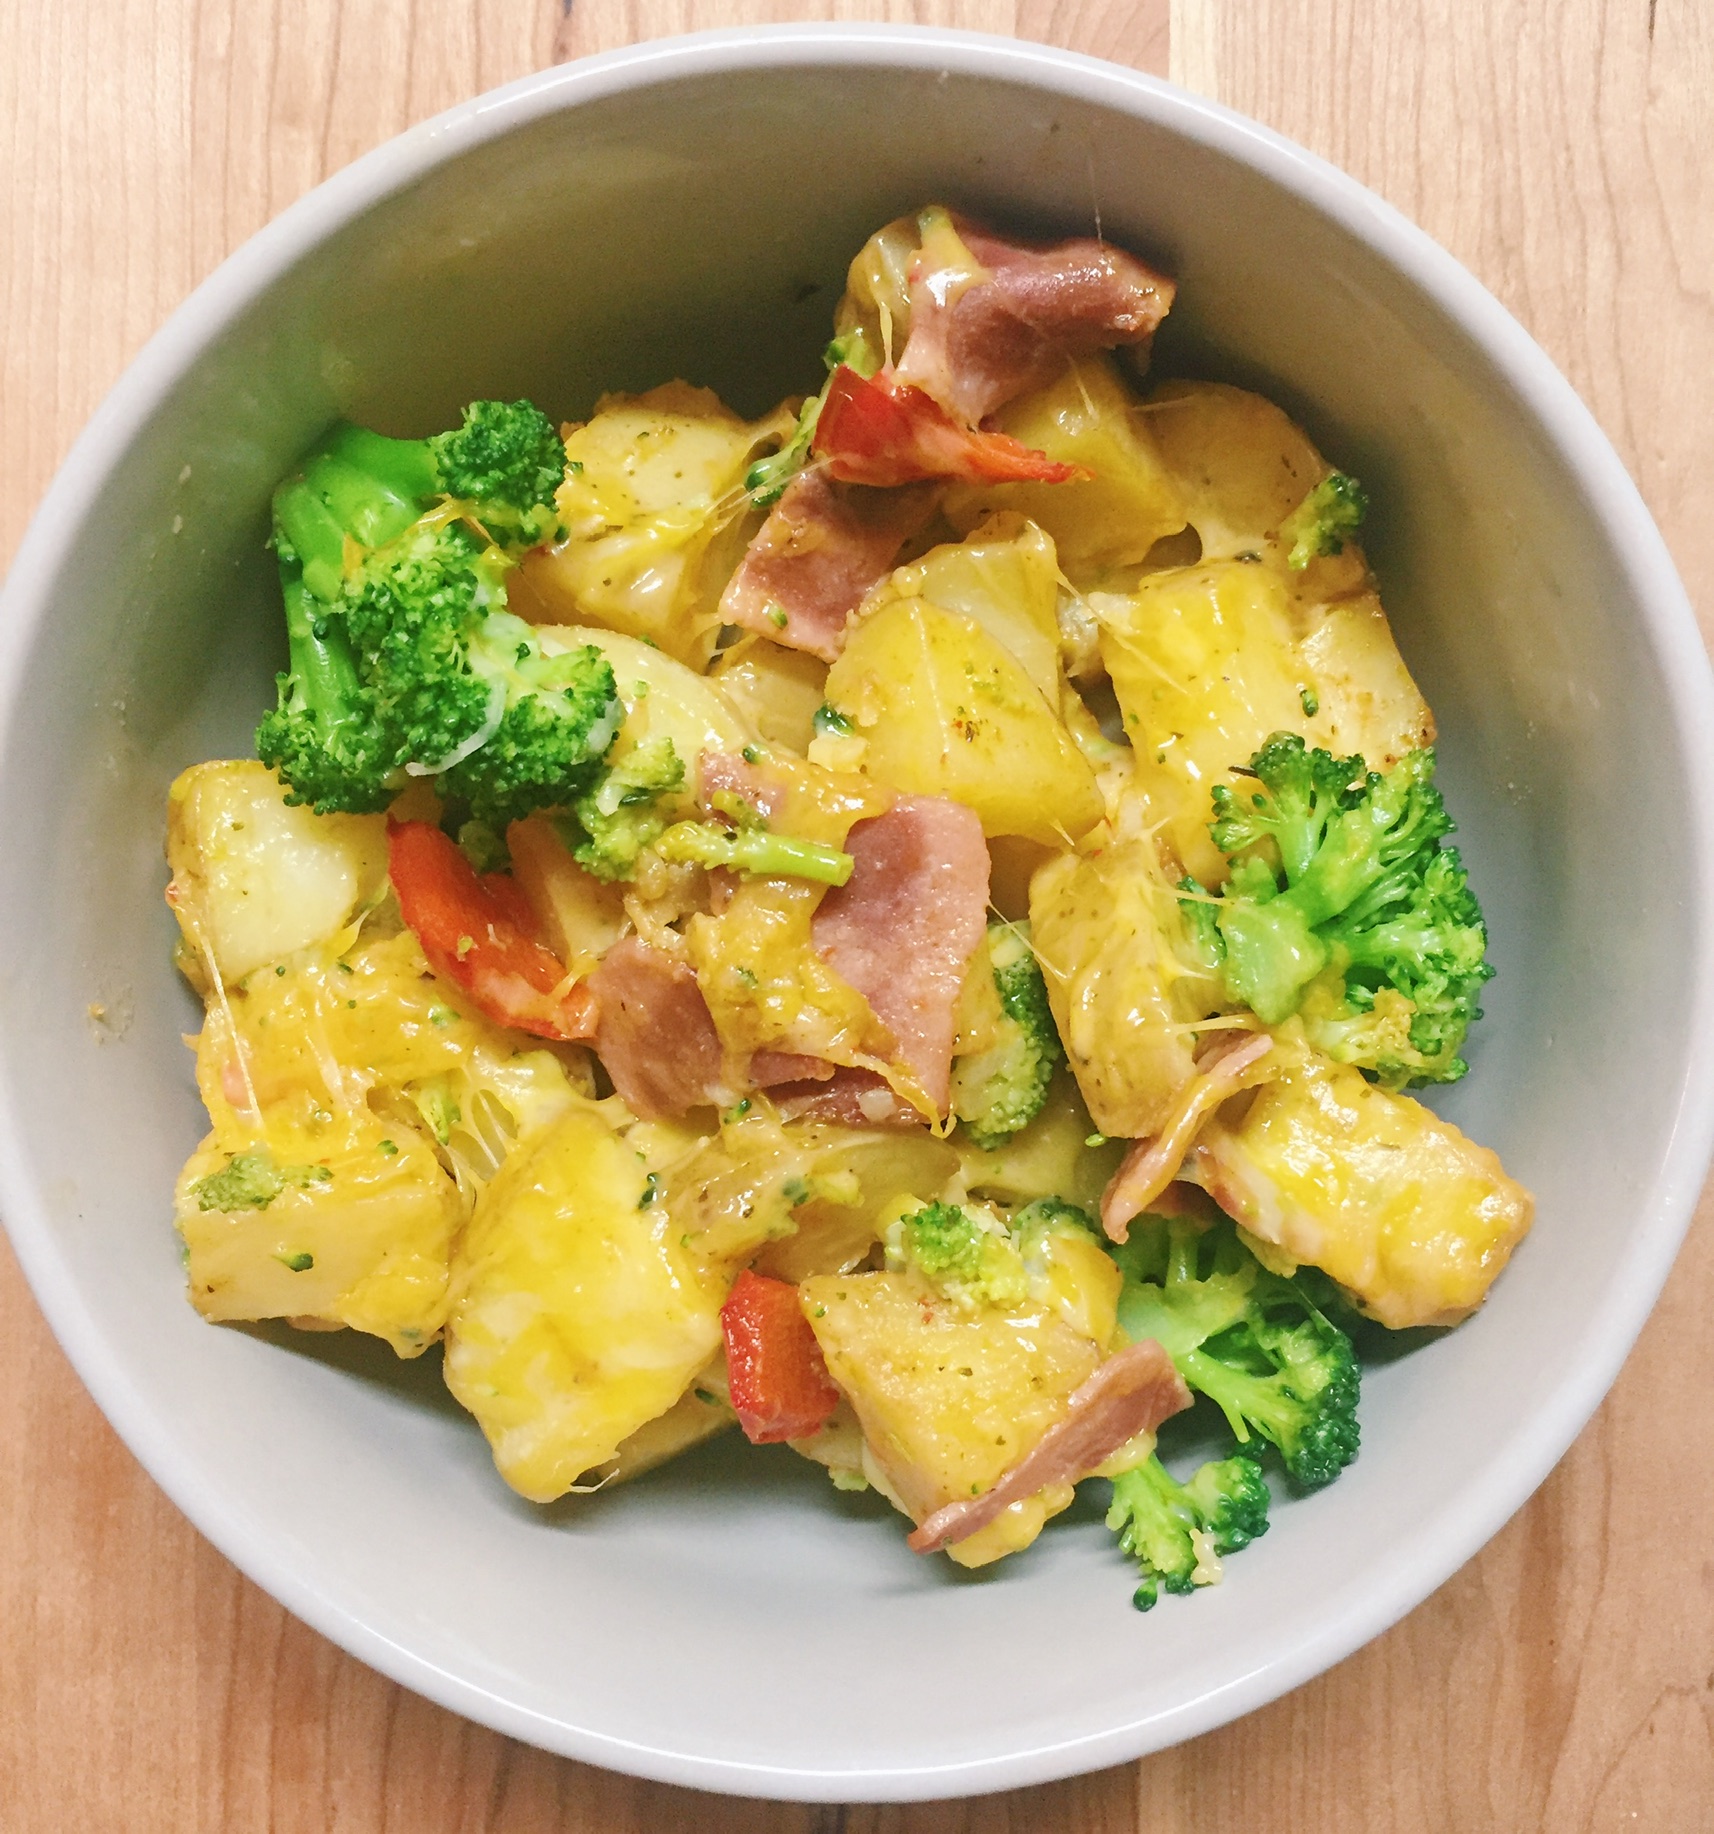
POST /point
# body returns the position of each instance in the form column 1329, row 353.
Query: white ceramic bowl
column 732, row 1623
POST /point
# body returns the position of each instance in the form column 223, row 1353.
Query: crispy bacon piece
column 776, row 1069
column 655, row 1035
column 1152, row 1164
column 902, row 929
column 883, row 431
column 976, row 347
column 479, row 934
column 848, row 1098
column 1131, row 1393
column 822, row 547
column 779, row 1383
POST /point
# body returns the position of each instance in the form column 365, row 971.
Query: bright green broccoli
column 1325, row 520
column 964, row 1252
column 1252, row 1341
column 998, row 1090
column 750, row 846
column 404, row 660
column 251, row 1181
column 612, row 822
column 1177, row 1532
column 767, row 478
column 1341, row 883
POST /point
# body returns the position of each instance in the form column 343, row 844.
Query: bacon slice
column 655, row 1034
column 902, row 929
column 1152, row 1164
column 883, row 431
column 822, row 547
column 848, row 1098
column 976, row 347
column 1131, row 1393
column 774, row 1069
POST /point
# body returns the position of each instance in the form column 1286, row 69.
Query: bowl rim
column 1482, row 1507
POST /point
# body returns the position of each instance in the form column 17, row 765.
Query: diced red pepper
column 875, row 430
column 780, row 1385
column 478, row 933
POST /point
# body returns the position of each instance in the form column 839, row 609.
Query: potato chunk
column 1241, row 464
column 1006, row 577
column 256, row 879
column 1107, row 933
column 1393, row 1202
column 650, row 508
column 1205, row 665
column 1088, row 417
column 948, row 1400
column 944, row 710
column 776, row 689
column 1207, row 661
column 577, row 1316
column 347, row 1224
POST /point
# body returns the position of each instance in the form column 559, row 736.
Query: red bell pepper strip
column 876, row 430
column 780, row 1385
column 478, row 933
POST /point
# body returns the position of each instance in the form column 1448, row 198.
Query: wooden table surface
column 1564, row 1680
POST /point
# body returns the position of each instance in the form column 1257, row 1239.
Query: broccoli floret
column 963, row 1252
column 1176, row 1532
column 1050, row 1215
column 393, row 557
column 1252, row 1341
column 324, row 738
column 1340, row 871
column 251, row 1181
column 768, row 477
column 1325, row 520
column 612, row 823
column 752, row 848
column 997, row 1091
column 506, row 461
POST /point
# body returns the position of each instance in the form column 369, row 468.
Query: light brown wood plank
column 1565, row 1680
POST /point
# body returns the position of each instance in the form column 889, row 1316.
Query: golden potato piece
column 1106, row 931
column 776, row 690
column 347, row 1224
column 946, row 711
column 1205, row 664
column 1394, row 1203
column 577, row 1316
column 651, row 508
column 256, row 879
column 1090, row 418
column 948, row 1399
column 1006, row 577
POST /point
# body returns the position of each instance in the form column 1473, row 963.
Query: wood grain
column 1564, row 1681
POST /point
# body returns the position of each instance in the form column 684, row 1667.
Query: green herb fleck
column 651, row 1190
column 298, row 1263
column 1311, row 703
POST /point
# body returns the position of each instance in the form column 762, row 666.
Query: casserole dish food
column 571, row 235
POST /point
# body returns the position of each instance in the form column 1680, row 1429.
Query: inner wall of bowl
column 735, row 1613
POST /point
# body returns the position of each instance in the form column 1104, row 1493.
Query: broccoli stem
column 754, row 851
column 1246, row 1400
column 323, row 668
